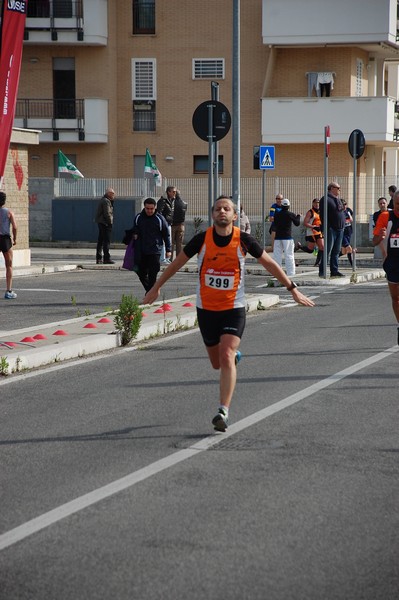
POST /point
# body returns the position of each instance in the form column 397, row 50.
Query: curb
column 82, row 344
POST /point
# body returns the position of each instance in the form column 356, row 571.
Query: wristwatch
column 292, row 286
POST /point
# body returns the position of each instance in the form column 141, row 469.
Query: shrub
column 128, row 319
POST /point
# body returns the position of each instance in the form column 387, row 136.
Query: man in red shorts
column 221, row 307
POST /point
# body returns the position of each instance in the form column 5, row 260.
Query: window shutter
column 144, row 79
column 208, row 68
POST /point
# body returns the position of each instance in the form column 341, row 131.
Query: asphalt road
column 298, row 500
column 47, row 298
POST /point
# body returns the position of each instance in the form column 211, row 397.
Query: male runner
column 221, row 308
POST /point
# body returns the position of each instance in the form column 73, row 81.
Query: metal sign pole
column 354, row 199
column 264, row 207
column 210, row 162
column 325, row 211
column 215, row 96
column 236, row 144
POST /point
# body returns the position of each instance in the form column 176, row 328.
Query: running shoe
column 10, row 295
column 238, row 357
column 220, row 421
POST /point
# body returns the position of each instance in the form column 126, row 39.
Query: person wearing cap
column 284, row 242
column 221, row 305
column 274, row 209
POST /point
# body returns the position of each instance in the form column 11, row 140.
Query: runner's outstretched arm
column 274, row 269
column 154, row 292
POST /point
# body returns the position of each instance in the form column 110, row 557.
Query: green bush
column 128, row 319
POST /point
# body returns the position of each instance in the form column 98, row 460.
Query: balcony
column 67, row 22
column 302, row 120
column 64, row 120
column 322, row 23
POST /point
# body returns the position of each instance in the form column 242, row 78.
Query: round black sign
column 221, row 120
column 356, row 143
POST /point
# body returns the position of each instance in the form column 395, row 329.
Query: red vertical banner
column 13, row 19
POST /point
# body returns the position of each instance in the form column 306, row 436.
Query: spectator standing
column 387, row 232
column 391, row 192
column 7, row 225
column 104, row 219
column 336, row 224
column 383, row 207
column 348, row 230
column 221, row 303
column 151, row 232
column 274, row 209
column 284, row 242
column 166, row 207
column 179, row 217
column 245, row 225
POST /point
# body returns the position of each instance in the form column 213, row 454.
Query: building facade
column 105, row 80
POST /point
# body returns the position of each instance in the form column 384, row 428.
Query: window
column 39, row 8
column 208, row 68
column 201, row 163
column 64, row 88
column 143, row 16
column 62, row 9
column 144, row 94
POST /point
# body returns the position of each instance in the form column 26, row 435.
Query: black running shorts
column 391, row 268
column 5, row 243
column 215, row 323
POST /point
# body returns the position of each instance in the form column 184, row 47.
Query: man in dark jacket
column 179, row 216
column 283, row 242
column 104, row 219
column 166, row 208
column 336, row 225
column 150, row 230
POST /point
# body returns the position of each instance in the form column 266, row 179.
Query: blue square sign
column 266, row 157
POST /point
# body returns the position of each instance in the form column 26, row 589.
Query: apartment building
column 105, row 80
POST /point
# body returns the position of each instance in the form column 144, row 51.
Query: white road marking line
column 69, row 508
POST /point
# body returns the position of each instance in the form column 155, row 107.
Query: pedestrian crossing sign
column 266, row 157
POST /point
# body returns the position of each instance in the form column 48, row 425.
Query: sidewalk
column 41, row 345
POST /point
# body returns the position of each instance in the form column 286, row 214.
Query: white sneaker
column 165, row 262
column 10, row 295
column 220, row 421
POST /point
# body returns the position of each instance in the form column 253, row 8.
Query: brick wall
column 15, row 185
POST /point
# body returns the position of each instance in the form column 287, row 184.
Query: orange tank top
column 221, row 274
